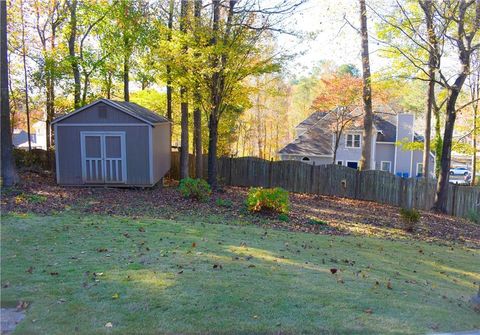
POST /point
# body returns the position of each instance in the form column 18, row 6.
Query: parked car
column 459, row 171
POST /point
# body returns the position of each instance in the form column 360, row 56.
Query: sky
column 335, row 39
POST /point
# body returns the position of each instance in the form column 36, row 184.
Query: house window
column 353, row 141
column 352, row 164
column 339, row 162
column 305, row 159
column 419, row 169
column 386, row 166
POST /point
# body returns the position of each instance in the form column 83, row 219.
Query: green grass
column 161, row 279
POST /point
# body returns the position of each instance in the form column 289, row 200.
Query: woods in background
column 214, row 68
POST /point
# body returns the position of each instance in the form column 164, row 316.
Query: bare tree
column 427, row 7
column 343, row 117
column 366, row 160
column 9, row 176
column 455, row 13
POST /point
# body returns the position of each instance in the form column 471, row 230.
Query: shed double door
column 103, row 157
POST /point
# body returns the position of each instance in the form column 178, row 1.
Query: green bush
column 272, row 199
column 315, row 221
column 283, row 217
column 474, row 216
column 224, row 202
column 410, row 218
column 195, row 189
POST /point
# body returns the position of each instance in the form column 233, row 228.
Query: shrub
column 315, row 221
column 273, row 199
column 224, row 202
column 410, row 217
column 474, row 216
column 195, row 189
column 283, row 217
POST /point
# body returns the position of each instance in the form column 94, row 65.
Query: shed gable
column 100, row 113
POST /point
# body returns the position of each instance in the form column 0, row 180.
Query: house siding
column 384, row 152
column 69, row 153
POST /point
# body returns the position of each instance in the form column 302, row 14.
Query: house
column 113, row 143
column 38, row 137
column 315, row 141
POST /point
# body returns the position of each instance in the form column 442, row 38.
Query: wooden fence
column 378, row 186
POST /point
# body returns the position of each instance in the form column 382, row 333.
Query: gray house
column 112, row 142
column 315, row 140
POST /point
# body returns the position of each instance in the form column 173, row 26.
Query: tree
column 456, row 15
column 184, row 101
column 25, row 75
column 366, row 160
column 427, row 7
column 197, row 97
column 9, row 176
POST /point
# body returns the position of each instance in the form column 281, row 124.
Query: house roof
column 130, row 108
column 312, row 119
column 313, row 142
column 386, row 127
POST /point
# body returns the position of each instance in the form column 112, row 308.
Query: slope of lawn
column 80, row 272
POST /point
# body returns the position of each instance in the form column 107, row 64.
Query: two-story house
column 315, row 140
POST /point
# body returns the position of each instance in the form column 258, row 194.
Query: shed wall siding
column 70, row 165
column 92, row 115
column 161, row 150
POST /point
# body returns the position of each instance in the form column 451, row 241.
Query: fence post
column 230, row 170
column 270, row 170
column 312, row 173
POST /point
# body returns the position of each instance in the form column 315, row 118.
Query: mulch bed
column 38, row 193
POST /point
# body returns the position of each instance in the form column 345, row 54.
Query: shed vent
column 102, row 112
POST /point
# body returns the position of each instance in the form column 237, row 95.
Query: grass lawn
column 79, row 272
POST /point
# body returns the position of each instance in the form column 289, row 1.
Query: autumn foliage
column 338, row 90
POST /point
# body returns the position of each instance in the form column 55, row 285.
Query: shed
column 115, row 143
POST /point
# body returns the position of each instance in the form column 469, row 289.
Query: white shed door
column 103, row 157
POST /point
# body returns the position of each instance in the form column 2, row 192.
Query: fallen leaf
column 22, row 305
column 333, row 271
column 102, row 249
column 368, row 311
column 29, row 270
column 251, row 266
column 389, row 285
column 217, row 266
column 141, row 229
column 54, row 273
column 108, row 325
column 194, row 245
column 115, row 296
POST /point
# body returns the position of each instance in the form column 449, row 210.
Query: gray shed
column 113, row 143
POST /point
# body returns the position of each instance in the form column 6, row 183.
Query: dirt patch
column 38, row 193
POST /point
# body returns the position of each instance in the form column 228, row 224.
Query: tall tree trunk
column 85, row 88
column 427, row 7
column 213, row 119
column 184, row 105
column 366, row 160
column 197, row 113
column 169, row 75
column 126, row 75
column 474, row 142
column 438, row 141
column 443, row 180
column 9, row 176
column 72, row 41
column 25, row 77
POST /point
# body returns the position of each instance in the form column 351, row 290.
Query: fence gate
column 103, row 157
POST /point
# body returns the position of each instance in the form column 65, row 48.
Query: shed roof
column 130, row 108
